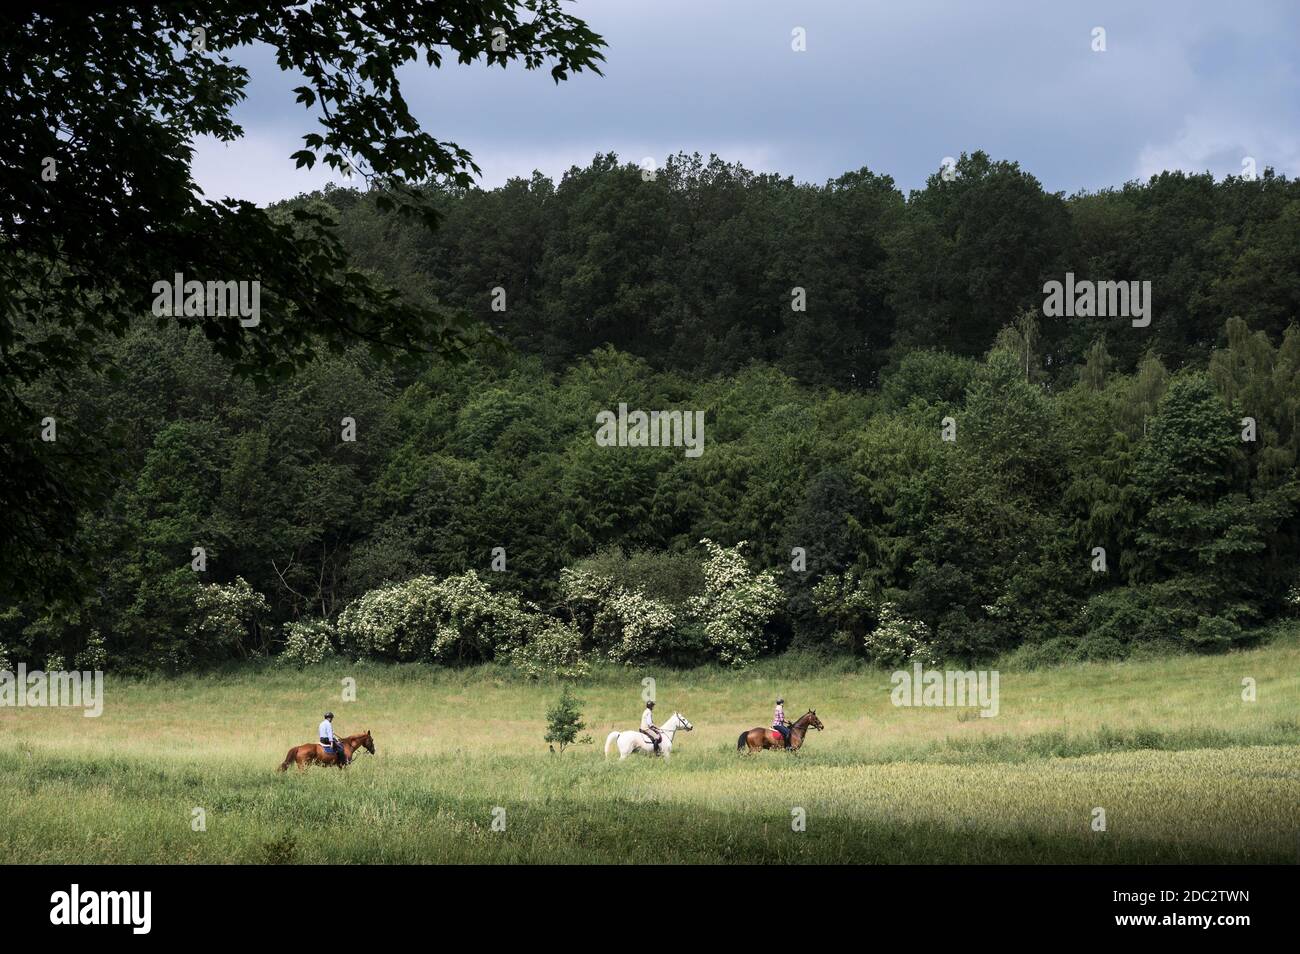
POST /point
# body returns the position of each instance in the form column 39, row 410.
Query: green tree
column 101, row 109
column 564, row 720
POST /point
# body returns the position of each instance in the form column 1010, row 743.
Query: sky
column 894, row 86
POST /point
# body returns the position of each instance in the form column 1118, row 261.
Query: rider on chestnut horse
column 779, row 723
column 761, row 737
column 338, row 753
column 329, row 742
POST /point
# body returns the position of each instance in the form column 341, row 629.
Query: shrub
column 898, row 641
column 94, row 656
column 564, row 720
column 736, row 604
column 226, row 615
column 1214, row 634
column 307, row 643
column 623, row 624
column 847, row 604
column 1291, row 603
column 662, row 575
column 553, row 648
column 458, row 619
column 1164, row 613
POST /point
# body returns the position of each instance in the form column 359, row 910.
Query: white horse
column 634, row 740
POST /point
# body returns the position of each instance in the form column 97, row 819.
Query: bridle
column 812, row 723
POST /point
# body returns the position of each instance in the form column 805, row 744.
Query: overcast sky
column 894, row 86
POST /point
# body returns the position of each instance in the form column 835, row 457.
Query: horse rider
column 648, row 725
column 779, row 723
column 329, row 741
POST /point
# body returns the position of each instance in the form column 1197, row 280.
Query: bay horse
column 634, row 740
column 762, row 737
column 313, row 753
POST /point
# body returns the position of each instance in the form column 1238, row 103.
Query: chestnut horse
column 313, row 753
column 762, row 737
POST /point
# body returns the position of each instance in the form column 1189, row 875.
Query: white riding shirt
column 326, row 731
column 647, row 718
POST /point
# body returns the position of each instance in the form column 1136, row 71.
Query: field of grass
column 1185, row 770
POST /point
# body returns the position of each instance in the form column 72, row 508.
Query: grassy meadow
column 1184, row 768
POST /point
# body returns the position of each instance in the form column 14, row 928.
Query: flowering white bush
column 309, row 643
column 1292, row 600
column 845, row 600
column 624, row 624
column 897, row 640
column 458, row 618
column 5, row 664
column 93, row 657
column 736, row 604
column 225, row 616
column 554, row 648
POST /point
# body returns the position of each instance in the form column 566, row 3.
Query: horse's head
column 683, row 722
column 367, row 743
column 810, row 720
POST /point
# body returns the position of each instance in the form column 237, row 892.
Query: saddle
column 334, row 748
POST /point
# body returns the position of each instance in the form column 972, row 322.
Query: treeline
column 966, row 507
column 694, row 268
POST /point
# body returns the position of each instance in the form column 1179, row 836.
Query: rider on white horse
column 638, row 740
column 648, row 725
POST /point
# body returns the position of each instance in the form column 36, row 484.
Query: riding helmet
column 329, row 715
column 650, row 704
column 780, row 702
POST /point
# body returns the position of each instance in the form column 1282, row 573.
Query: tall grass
column 1183, row 767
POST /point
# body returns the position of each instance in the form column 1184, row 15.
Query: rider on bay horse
column 329, row 742
column 648, row 726
column 779, row 722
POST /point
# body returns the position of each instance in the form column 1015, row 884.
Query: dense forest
column 903, row 457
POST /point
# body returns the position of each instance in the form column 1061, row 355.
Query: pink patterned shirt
column 778, row 717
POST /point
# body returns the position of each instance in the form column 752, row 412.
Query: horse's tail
column 740, row 742
column 609, row 740
column 287, row 760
